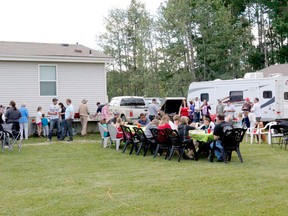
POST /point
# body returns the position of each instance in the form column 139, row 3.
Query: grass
column 83, row 179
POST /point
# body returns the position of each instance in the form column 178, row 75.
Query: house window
column 204, row 96
column 48, row 80
column 236, row 96
column 267, row 94
column 285, row 95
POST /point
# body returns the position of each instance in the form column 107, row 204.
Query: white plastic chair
column 104, row 139
column 267, row 131
column 113, row 135
column 252, row 132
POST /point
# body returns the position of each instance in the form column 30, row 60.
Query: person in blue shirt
column 143, row 121
column 23, row 121
column 45, row 126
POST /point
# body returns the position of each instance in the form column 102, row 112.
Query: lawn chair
column 267, row 131
column 253, row 132
column 144, row 142
column 104, row 140
column 178, row 144
column 2, row 139
column 231, row 142
column 129, row 139
column 12, row 135
column 162, row 141
column 276, row 132
column 113, row 136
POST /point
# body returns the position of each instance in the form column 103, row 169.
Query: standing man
column 247, row 105
column 69, row 116
column 256, row 109
column 229, row 110
column 23, row 121
column 84, row 113
column 219, row 108
column 197, row 109
column 153, row 109
column 54, row 113
column 99, row 107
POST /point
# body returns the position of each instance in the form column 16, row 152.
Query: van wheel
column 123, row 118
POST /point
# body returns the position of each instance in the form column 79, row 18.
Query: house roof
column 275, row 69
column 47, row 51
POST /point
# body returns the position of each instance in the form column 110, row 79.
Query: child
column 103, row 123
column 45, row 126
column 117, row 125
column 239, row 121
column 38, row 121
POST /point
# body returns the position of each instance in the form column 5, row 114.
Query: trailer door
column 284, row 97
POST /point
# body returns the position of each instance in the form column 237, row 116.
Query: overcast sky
column 58, row 21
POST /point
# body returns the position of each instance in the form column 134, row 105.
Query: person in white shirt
column 256, row 110
column 69, row 116
column 229, row 110
column 38, row 121
column 54, row 113
column 197, row 109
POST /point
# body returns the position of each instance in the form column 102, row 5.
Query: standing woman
column 13, row 115
column 23, row 121
column 62, row 116
column 205, row 108
column 184, row 109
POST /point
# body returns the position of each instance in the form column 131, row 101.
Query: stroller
column 10, row 135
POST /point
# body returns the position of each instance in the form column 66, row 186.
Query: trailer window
column 285, row 95
column 236, row 96
column 267, row 94
column 204, row 96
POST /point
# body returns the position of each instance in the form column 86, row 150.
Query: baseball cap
column 54, row 99
column 116, row 113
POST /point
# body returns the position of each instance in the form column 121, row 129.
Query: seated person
column 153, row 124
column 164, row 123
column 207, row 125
column 218, row 133
column 175, row 123
column 114, row 119
column 183, row 130
column 211, row 124
column 118, row 127
column 239, row 121
column 143, row 121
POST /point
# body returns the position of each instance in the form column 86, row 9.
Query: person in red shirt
column 184, row 109
column 118, row 127
column 164, row 123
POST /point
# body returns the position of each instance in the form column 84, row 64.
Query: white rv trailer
column 271, row 91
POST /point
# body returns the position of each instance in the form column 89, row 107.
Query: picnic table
column 201, row 136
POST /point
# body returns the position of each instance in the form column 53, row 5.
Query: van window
column 204, row 96
column 285, row 95
column 132, row 102
column 267, row 94
column 236, row 95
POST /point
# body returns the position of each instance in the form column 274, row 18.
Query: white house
column 34, row 73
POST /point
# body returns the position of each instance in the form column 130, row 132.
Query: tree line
column 191, row 40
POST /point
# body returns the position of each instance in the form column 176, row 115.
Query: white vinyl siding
column 20, row 82
column 48, row 80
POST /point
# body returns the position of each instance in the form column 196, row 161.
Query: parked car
column 171, row 105
column 129, row 107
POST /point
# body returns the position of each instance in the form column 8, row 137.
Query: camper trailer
column 272, row 92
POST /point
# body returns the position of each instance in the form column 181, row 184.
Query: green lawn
column 81, row 178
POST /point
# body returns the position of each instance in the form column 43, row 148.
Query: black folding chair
column 144, row 142
column 162, row 141
column 129, row 139
column 231, row 142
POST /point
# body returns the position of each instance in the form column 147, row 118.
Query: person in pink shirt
column 105, row 112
